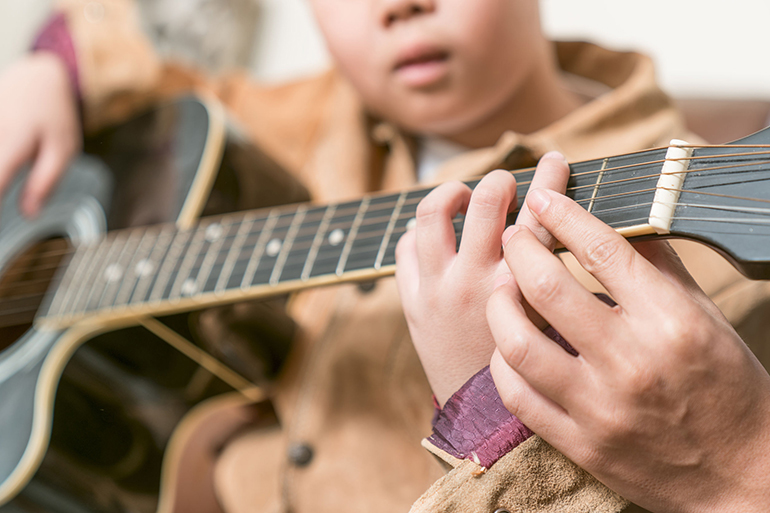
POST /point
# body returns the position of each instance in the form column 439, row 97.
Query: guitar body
column 77, row 212
column 88, row 413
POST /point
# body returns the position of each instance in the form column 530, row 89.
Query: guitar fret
column 232, row 254
column 182, row 284
column 317, row 241
column 209, row 261
column 59, row 304
column 150, row 272
column 259, row 249
column 405, row 217
column 389, row 230
column 81, row 299
column 143, row 249
column 351, row 236
column 175, row 249
column 288, row 241
column 627, row 189
column 333, row 243
column 108, row 269
column 80, row 305
column 119, row 268
column 598, row 183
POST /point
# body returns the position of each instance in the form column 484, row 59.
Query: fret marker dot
column 188, row 287
column 113, row 272
column 273, row 247
column 336, row 237
column 411, row 224
column 213, row 232
column 144, row 267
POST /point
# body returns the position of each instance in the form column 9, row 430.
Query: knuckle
column 544, row 289
column 674, row 330
column 602, row 255
column 640, row 381
column 489, row 198
column 427, row 208
column 514, row 349
column 686, row 337
column 612, row 427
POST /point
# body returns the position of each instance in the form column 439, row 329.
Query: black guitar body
column 121, row 394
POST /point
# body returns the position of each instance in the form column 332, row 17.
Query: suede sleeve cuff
column 533, row 478
column 474, row 424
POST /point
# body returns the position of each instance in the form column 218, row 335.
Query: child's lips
column 422, row 67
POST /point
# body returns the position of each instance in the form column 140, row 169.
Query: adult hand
column 444, row 291
column 38, row 122
column 664, row 404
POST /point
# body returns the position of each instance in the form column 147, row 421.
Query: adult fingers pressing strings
column 444, row 291
column 664, row 404
column 38, row 123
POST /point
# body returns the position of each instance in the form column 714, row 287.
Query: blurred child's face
column 433, row 66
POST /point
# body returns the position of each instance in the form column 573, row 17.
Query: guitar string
column 640, row 219
column 651, row 163
column 399, row 232
column 520, row 197
column 370, row 233
column 355, row 206
column 626, row 222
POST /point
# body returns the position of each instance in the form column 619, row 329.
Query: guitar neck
column 161, row 269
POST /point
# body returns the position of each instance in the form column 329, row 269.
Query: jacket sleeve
column 496, row 463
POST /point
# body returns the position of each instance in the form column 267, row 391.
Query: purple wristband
column 55, row 38
column 474, row 424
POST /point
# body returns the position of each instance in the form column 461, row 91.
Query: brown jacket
column 353, row 391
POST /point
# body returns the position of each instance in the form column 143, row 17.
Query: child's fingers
column 435, row 232
column 555, row 294
column 43, row 177
column 13, row 153
column 493, row 198
column 552, row 173
column 539, row 360
column 407, row 267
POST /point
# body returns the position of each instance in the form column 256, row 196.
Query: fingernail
column 538, row 200
column 508, row 233
column 502, row 280
column 554, row 155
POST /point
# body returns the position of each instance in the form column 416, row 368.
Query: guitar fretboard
column 162, row 269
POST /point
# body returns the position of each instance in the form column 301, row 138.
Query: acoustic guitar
column 133, row 276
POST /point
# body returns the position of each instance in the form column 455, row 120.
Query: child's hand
column 38, row 121
column 665, row 404
column 444, row 291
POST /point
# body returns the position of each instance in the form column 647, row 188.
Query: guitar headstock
column 725, row 202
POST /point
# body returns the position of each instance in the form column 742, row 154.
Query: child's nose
column 401, row 10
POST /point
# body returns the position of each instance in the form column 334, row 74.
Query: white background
column 704, row 48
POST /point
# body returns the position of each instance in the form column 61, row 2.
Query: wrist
column 745, row 473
